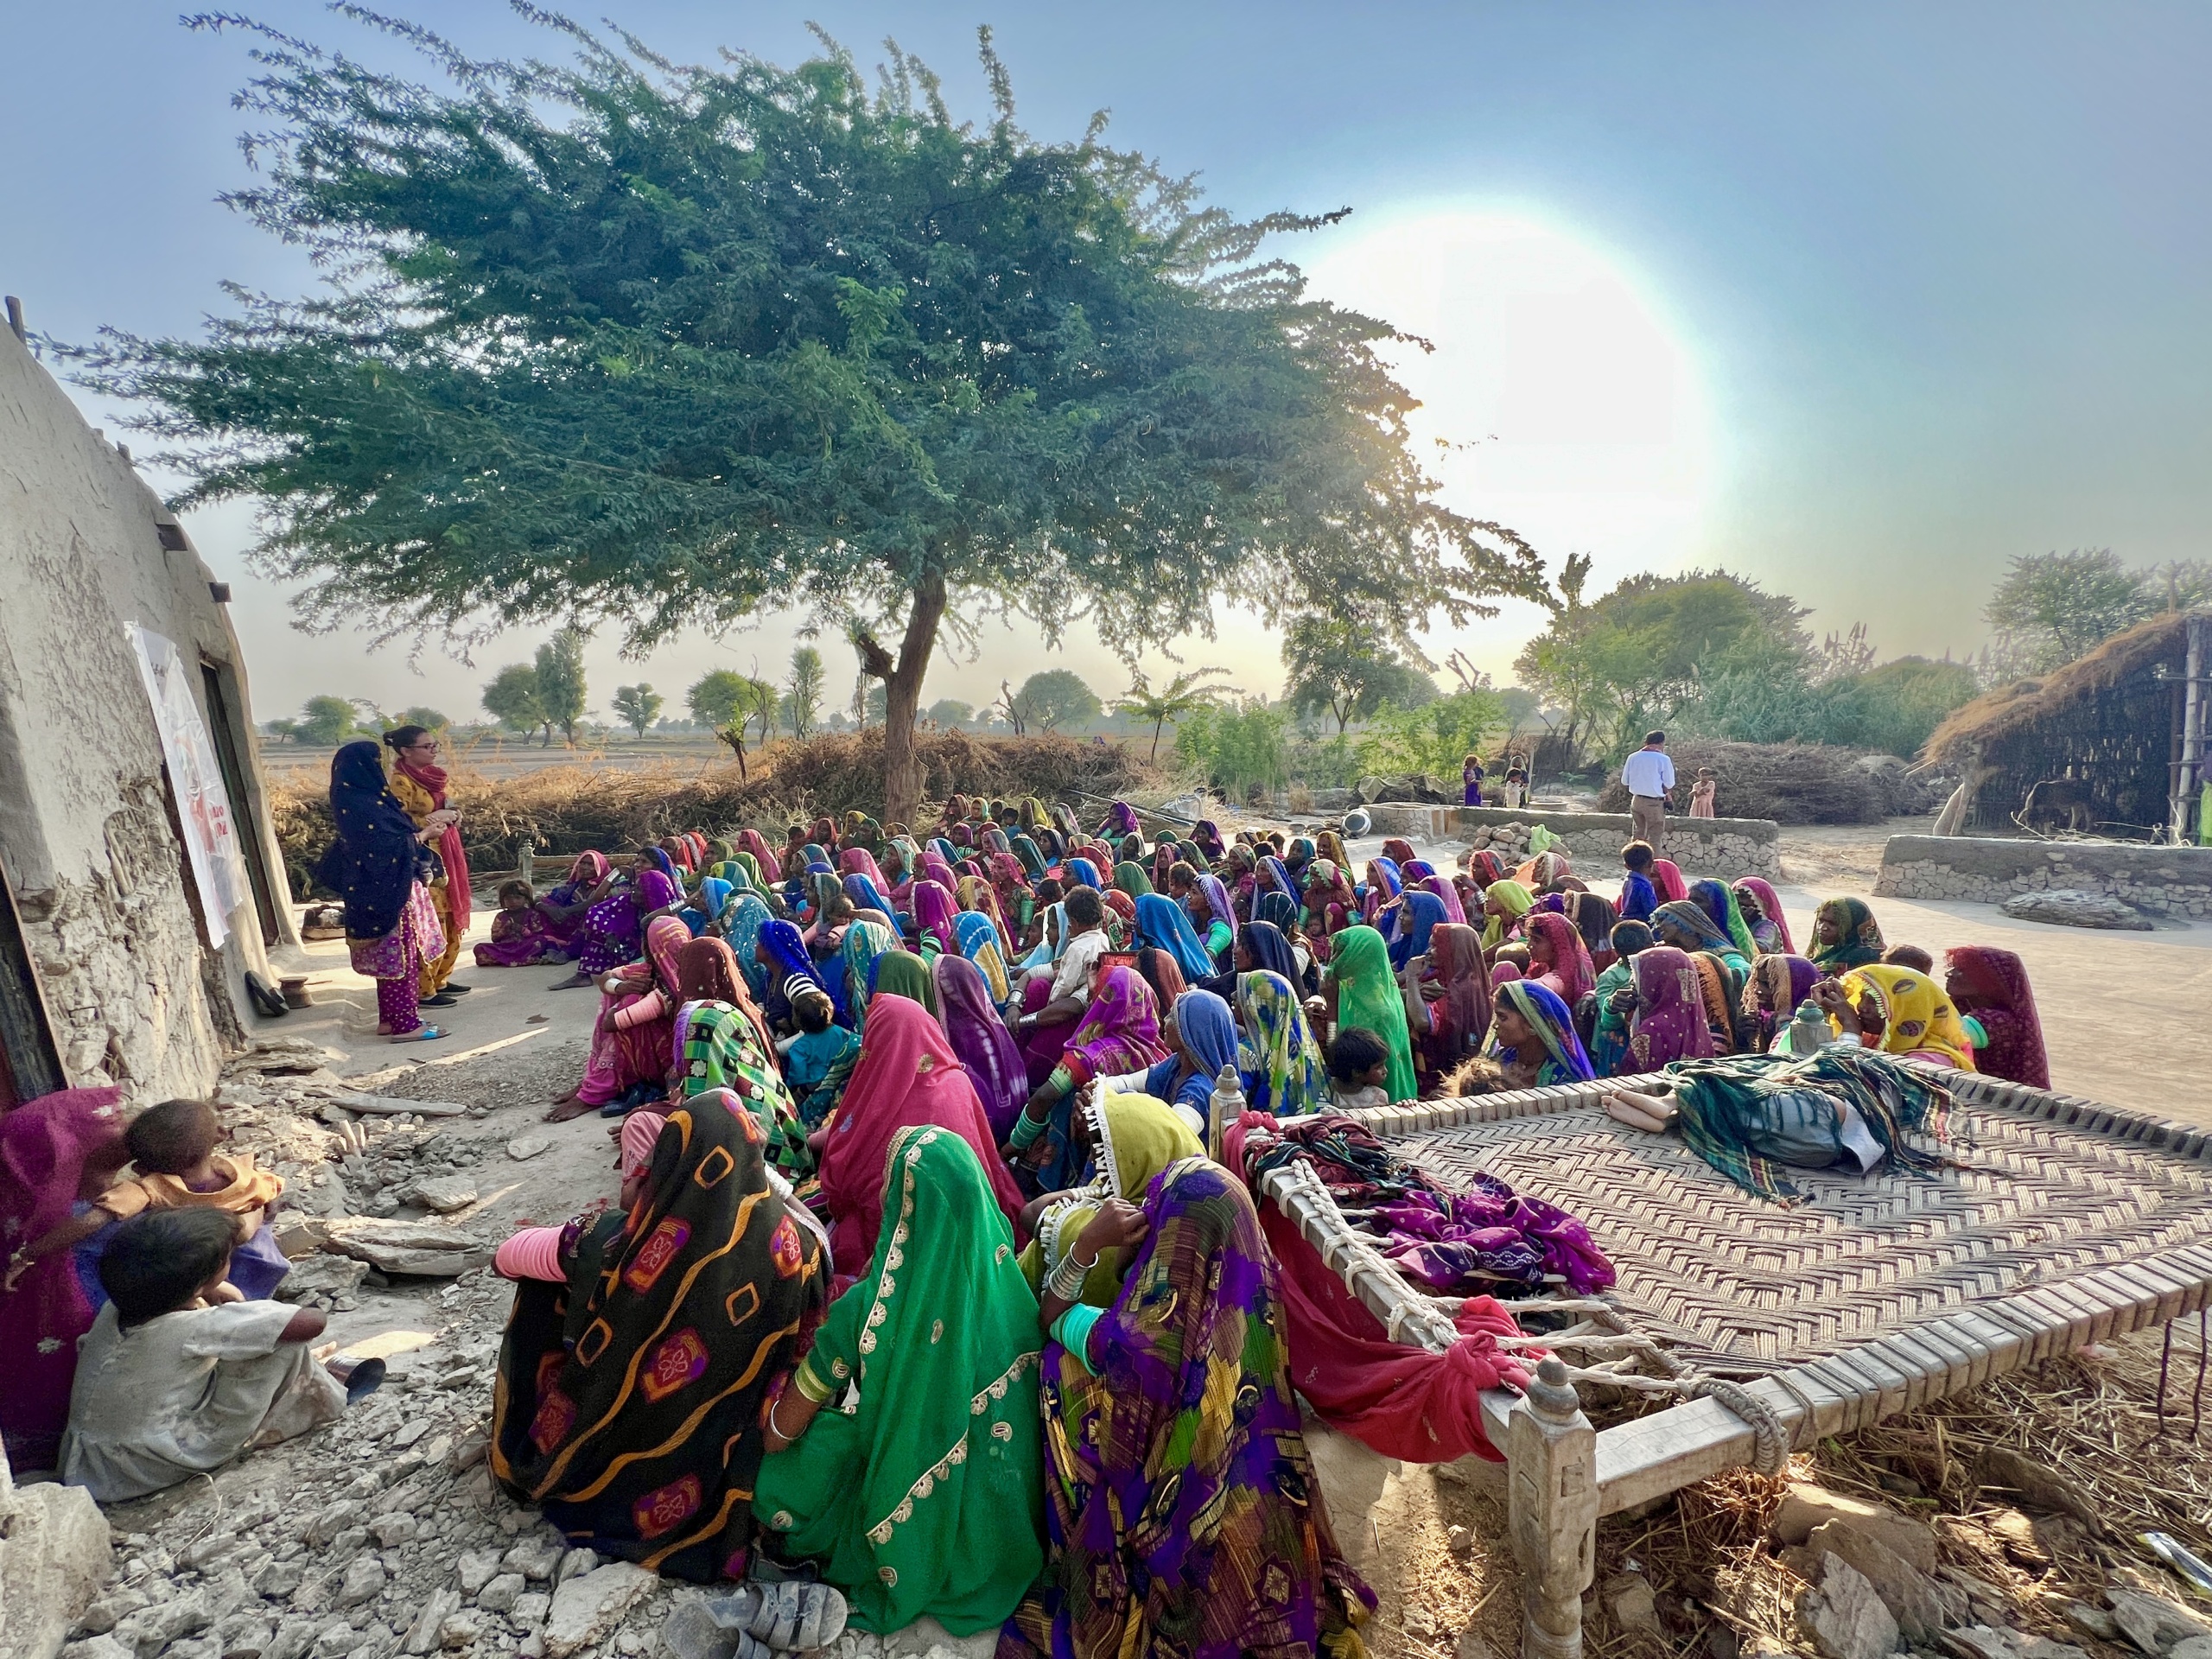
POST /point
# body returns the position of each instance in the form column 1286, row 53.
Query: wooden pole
column 1551, row 1453
column 2190, row 773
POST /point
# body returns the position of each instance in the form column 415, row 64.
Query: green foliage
column 1435, row 738
column 1650, row 649
column 1335, row 664
column 948, row 713
column 2051, row 607
column 1521, row 706
column 717, row 698
column 429, row 719
column 1893, row 707
column 328, row 722
column 637, row 706
column 513, row 699
column 1055, row 698
column 1236, row 748
column 1180, row 697
column 803, row 692
column 624, row 338
column 561, row 688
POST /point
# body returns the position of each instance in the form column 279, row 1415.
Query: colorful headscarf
column 971, row 1024
column 1208, row 1032
column 1549, row 1017
column 1919, row 1018
column 1717, row 901
column 1514, row 900
column 1162, row 924
column 719, row 1047
column 1368, row 996
column 1270, row 949
column 1695, row 924
column 1991, row 987
column 1858, row 936
column 864, row 942
column 1419, row 912
column 1119, row 1031
column 1670, row 1019
column 1461, row 1016
column 1571, row 961
column 1770, row 904
column 978, row 941
column 1284, row 1070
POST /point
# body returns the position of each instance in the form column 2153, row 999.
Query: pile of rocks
column 2075, row 907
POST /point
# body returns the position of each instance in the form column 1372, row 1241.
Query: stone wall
column 1726, row 848
column 1987, row 870
column 110, row 912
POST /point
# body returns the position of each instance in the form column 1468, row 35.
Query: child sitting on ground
column 1702, row 791
column 178, row 1374
column 1638, row 897
column 520, row 937
column 176, row 1166
column 814, row 1050
column 1359, row 1070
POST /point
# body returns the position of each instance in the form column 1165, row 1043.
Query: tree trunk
column 902, row 696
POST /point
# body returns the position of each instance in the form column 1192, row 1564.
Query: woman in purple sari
column 1181, row 1503
column 54, row 1152
column 614, row 930
column 1670, row 1023
column 979, row 1037
column 566, row 906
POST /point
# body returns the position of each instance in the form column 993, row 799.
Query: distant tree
column 1181, row 695
column 631, row 337
column 1237, row 748
column 561, row 680
column 759, row 706
column 1433, row 737
column 803, row 692
column 1651, row 647
column 429, row 719
column 513, row 699
column 1010, row 709
column 1520, row 705
column 637, row 706
column 876, row 705
column 1055, row 698
column 1335, row 663
column 950, row 713
column 716, row 698
column 329, row 720
column 2053, row 607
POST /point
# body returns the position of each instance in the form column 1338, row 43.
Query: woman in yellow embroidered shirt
column 419, row 782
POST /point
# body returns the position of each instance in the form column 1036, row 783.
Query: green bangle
column 1026, row 1131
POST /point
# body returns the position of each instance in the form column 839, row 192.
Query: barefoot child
column 1702, row 791
column 1359, row 1070
column 520, row 935
column 177, row 1375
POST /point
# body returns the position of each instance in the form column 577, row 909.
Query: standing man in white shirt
column 1648, row 774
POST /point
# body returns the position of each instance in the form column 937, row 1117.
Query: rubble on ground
column 2075, row 907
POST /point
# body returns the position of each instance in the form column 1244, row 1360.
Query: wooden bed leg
column 1552, row 1455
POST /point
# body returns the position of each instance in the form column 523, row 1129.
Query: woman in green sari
column 920, row 1489
column 901, row 973
column 865, row 944
column 1364, row 991
column 1129, row 877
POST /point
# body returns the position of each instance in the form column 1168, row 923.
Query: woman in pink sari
column 907, row 1074
column 55, row 1152
column 754, row 841
column 1667, row 876
column 1670, row 1020
column 1558, row 959
column 936, row 932
column 631, row 1043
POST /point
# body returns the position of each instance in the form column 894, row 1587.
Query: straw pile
column 1723, row 1586
column 565, row 809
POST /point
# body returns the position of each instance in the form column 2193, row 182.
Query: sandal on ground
column 420, row 1034
column 267, row 1001
column 756, row 1620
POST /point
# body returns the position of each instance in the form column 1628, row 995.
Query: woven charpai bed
column 2066, row 1222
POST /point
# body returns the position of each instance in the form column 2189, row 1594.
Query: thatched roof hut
column 2103, row 735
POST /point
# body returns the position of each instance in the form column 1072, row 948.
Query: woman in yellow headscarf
column 1505, row 905
column 1901, row 1011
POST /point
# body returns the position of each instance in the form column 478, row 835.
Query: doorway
column 30, row 1064
column 221, row 716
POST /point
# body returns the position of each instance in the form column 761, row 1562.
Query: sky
column 1859, row 300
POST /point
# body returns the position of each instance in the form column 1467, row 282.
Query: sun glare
column 1573, row 411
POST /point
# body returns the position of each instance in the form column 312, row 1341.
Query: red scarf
column 455, row 859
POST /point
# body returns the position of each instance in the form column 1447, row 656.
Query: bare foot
column 571, row 1108
column 574, row 982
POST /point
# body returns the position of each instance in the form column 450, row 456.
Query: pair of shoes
column 757, row 1620
column 270, row 1003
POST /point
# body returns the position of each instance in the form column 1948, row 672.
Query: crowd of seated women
column 920, row 1293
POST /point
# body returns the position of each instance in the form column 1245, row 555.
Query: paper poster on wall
column 203, row 805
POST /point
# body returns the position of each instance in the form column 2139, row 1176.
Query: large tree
column 512, row 698
column 624, row 339
column 803, row 692
column 1056, row 697
column 2050, row 608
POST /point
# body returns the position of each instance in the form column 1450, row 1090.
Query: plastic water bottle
column 1809, row 1031
column 1223, row 1111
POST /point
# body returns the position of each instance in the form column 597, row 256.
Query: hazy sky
column 1860, row 300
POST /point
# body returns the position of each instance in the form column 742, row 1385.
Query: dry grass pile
column 2036, row 1486
column 1789, row 782
column 565, row 809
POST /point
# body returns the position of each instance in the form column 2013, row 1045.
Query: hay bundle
column 564, row 810
column 1789, row 782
